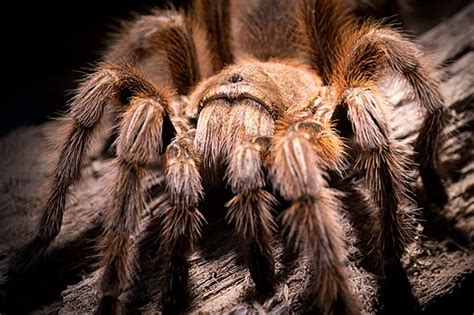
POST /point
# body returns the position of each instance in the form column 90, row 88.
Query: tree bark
column 440, row 265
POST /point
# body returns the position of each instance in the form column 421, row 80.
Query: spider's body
column 291, row 104
column 252, row 96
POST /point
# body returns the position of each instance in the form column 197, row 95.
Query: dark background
column 45, row 47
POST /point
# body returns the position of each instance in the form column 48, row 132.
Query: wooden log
column 440, row 266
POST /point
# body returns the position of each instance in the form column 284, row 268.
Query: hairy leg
column 166, row 46
column 382, row 161
column 139, row 144
column 373, row 47
column 214, row 18
column 250, row 210
column 323, row 26
column 357, row 56
column 163, row 46
column 109, row 85
column 365, row 54
column 181, row 220
column 300, row 153
column 264, row 29
column 173, row 45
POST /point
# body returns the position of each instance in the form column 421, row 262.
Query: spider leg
column 380, row 158
column 214, row 18
column 111, row 81
column 301, row 152
column 135, row 54
column 323, row 26
column 166, row 46
column 348, row 55
column 250, row 210
column 163, row 47
column 171, row 34
column 181, row 220
column 138, row 144
column 109, row 85
column 376, row 46
column 361, row 117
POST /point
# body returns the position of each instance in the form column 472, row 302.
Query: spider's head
column 243, row 101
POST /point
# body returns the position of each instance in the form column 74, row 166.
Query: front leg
column 301, row 153
column 250, row 210
column 181, row 220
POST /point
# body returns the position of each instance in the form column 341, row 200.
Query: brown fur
column 67, row 172
column 139, row 143
column 97, row 91
column 181, row 220
column 120, row 225
column 181, row 54
column 375, row 46
column 140, row 139
column 251, row 209
column 265, row 29
column 311, row 221
column 183, row 162
column 167, row 46
column 214, row 18
column 222, row 126
column 384, row 166
column 265, row 122
column 324, row 26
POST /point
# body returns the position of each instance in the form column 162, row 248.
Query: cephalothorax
column 268, row 102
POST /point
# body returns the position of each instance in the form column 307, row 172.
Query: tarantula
column 270, row 102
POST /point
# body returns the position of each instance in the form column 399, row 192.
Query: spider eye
column 234, row 78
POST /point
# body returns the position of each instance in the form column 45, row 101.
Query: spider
column 271, row 102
